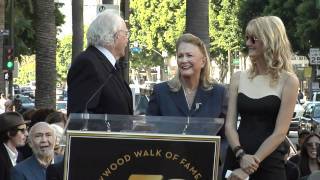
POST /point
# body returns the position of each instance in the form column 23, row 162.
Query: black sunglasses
column 252, row 39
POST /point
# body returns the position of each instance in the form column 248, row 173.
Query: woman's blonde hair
column 277, row 49
column 205, row 81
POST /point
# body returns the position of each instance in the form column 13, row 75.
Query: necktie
column 118, row 70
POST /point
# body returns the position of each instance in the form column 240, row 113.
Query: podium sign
column 131, row 156
column 143, row 148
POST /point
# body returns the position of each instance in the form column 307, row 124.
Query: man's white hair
column 103, row 28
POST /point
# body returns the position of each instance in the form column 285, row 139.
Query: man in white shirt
column 2, row 102
column 13, row 134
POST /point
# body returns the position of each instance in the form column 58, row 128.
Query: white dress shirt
column 107, row 54
column 12, row 154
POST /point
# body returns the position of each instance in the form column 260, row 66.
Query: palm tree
column 45, row 54
column 77, row 27
column 197, row 19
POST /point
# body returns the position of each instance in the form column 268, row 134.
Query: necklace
column 189, row 95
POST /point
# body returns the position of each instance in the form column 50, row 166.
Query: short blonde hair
column 271, row 31
column 205, row 81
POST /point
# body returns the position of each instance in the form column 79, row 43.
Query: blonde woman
column 264, row 97
column 191, row 93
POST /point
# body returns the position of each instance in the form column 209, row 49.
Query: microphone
column 96, row 92
column 86, row 114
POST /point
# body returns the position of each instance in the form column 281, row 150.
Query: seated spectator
column 309, row 161
column 60, row 142
column 40, row 115
column 9, row 106
column 301, row 137
column 57, row 118
column 292, row 170
column 35, row 115
column 2, row 102
column 26, row 150
column 18, row 105
column 13, row 133
column 41, row 140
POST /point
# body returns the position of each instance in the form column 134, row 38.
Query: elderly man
column 13, row 134
column 41, row 140
column 94, row 83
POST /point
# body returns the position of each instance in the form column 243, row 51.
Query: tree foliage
column 155, row 25
column 286, row 10
column 24, row 25
column 308, row 25
column 301, row 18
column 225, row 34
column 64, row 57
column 26, row 72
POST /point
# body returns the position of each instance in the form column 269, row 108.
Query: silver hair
column 101, row 31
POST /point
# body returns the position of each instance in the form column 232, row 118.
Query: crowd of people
column 264, row 96
column 30, row 142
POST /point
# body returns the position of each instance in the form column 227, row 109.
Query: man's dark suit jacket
column 89, row 71
column 5, row 162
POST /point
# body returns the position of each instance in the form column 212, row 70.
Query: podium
column 121, row 147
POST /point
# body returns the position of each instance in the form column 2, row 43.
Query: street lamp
column 137, row 49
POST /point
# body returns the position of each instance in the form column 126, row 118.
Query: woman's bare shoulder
column 290, row 79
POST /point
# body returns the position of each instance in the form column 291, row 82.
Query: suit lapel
column 102, row 59
column 199, row 100
column 119, row 80
column 5, row 154
column 180, row 101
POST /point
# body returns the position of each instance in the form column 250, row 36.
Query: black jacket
column 89, row 71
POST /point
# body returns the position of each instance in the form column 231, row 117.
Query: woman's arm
column 231, row 120
column 248, row 163
column 288, row 101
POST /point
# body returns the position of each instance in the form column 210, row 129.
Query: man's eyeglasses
column 126, row 33
column 252, row 39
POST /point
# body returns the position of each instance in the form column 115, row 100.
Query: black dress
column 258, row 118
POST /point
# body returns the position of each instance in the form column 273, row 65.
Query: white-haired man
column 94, row 84
column 42, row 141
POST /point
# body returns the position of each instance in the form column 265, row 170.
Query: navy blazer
column 30, row 169
column 207, row 103
column 89, row 72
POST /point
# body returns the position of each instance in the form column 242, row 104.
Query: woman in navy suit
column 191, row 93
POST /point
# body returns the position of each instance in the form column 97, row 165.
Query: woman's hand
column 238, row 174
column 249, row 163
